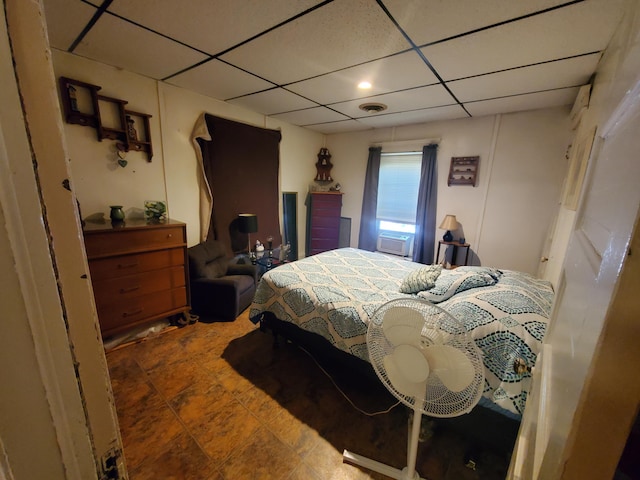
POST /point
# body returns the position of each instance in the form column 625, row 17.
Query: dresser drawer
column 123, row 315
column 116, row 242
column 116, row 290
column 114, row 267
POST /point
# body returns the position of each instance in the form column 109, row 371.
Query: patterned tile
column 181, row 460
column 263, row 456
column 153, row 430
column 226, row 431
column 201, row 401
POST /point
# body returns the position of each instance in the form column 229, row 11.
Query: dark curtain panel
column 424, row 242
column 368, row 237
column 241, row 164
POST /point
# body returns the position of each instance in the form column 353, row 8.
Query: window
column 398, row 191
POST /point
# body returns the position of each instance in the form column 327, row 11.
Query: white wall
column 172, row 173
column 506, row 216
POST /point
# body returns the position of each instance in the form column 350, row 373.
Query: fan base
column 382, row 468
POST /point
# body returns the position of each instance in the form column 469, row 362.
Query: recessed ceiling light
column 364, row 85
column 373, row 107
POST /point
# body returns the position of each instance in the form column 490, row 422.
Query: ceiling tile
column 210, row 25
column 431, row 20
column 273, row 101
column 448, row 112
column 338, row 127
column 546, row 76
column 573, row 30
column 382, row 74
column 531, row 101
column 310, row 116
column 424, row 97
column 218, row 80
column 63, row 29
column 121, row 44
column 338, row 35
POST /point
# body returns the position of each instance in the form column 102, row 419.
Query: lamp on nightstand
column 449, row 223
column 248, row 223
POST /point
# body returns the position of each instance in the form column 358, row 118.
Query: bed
column 331, row 296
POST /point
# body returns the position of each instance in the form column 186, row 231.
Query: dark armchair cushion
column 208, row 260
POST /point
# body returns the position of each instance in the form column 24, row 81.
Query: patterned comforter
column 334, row 294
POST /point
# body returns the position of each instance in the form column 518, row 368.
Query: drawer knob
column 169, row 235
column 130, row 314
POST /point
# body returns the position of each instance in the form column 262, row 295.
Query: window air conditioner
column 395, row 243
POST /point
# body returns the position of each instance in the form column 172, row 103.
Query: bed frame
column 482, row 426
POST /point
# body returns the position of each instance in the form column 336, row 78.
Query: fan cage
column 436, row 326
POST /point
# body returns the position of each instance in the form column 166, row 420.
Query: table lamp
column 449, row 223
column 248, row 223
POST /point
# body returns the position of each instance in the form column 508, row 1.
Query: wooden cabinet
column 323, row 221
column 138, row 272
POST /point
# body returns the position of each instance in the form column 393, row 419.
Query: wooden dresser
column 138, row 272
column 323, row 221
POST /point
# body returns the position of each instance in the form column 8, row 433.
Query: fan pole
column 412, row 450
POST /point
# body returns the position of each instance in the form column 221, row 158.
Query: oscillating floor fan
column 427, row 360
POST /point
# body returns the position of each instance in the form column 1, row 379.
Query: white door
column 590, row 279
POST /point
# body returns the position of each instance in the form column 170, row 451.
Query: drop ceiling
column 301, row 60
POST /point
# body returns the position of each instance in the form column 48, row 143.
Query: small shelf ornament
column 324, row 166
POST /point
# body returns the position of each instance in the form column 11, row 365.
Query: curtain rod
column 407, row 143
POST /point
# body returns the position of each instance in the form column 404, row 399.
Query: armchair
column 220, row 289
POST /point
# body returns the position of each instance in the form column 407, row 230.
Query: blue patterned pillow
column 493, row 272
column 420, row 279
column 456, row 281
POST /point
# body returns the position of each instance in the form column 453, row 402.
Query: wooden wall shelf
column 83, row 105
column 463, row 171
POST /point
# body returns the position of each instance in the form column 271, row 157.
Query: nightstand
column 454, row 253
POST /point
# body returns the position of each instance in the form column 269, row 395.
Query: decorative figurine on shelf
column 73, row 99
column 131, row 129
column 259, row 246
column 323, row 166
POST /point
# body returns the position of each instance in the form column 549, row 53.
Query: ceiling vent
column 373, row 107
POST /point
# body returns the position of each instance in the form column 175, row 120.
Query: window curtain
column 239, row 167
column 368, row 238
column 424, row 242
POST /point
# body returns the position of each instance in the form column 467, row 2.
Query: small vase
column 117, row 214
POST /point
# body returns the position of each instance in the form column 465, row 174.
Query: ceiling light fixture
column 364, row 85
column 373, row 107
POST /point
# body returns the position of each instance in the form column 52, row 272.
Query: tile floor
column 217, row 401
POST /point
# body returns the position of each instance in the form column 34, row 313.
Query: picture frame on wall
column 579, row 160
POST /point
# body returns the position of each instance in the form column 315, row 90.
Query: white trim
column 489, row 169
column 628, row 106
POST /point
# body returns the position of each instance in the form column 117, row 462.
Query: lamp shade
column 248, row 223
column 449, row 223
